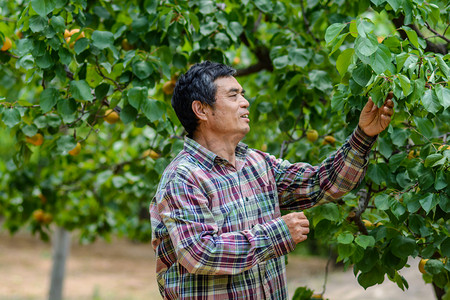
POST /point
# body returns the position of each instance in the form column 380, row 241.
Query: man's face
column 229, row 115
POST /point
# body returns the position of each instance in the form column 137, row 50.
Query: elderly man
column 216, row 223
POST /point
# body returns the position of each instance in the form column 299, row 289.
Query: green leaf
column 429, row 202
column 328, row 211
column 136, row 96
column 281, row 62
column 142, row 69
column 365, row 241
column 234, row 30
column 362, row 74
column 345, row 238
column 333, row 31
column 366, row 45
column 102, row 39
column 425, row 126
column 48, row 99
column 431, row 102
column 445, row 247
column 80, row 90
column 30, row 130
column 382, row 201
column 81, row 45
column 57, row 22
column 344, row 60
column 338, row 101
column 38, row 23
column 128, row 114
column 441, row 181
column 399, row 136
column 265, row 6
column 102, row 90
column 43, row 7
column 402, row 246
column 45, row 61
column 443, row 66
column 405, row 84
column 370, row 259
column 412, row 36
column 153, row 109
column 373, row 277
column 151, row 5
column 66, row 143
column 443, row 95
column 300, row 57
column 434, row 266
column 378, row 173
column 353, row 30
column 11, row 117
column 434, row 160
column 364, row 26
column 395, row 4
column 207, row 28
column 400, row 60
column 381, row 59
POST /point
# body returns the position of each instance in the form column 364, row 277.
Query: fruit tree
column 87, row 126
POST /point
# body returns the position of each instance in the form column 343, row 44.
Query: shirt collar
column 208, row 158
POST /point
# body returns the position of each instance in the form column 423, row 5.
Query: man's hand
column 374, row 120
column 298, row 226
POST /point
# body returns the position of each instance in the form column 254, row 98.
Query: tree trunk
column 61, row 246
column 438, row 292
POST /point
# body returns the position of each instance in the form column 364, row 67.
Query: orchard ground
column 123, row 270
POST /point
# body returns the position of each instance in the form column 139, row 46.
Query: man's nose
column 244, row 102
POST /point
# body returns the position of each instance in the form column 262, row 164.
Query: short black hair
column 197, row 84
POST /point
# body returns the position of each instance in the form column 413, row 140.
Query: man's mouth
column 245, row 116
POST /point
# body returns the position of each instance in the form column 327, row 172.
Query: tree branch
column 431, row 47
column 437, row 33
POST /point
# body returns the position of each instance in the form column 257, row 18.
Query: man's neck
column 223, row 147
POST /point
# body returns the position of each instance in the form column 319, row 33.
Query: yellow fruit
column 236, row 60
column 445, row 147
column 168, row 87
column 6, row 44
column 111, row 116
column 151, row 153
column 380, row 39
column 367, row 223
column 413, row 154
column 47, row 218
column 66, row 34
column 422, row 265
column 69, row 39
column 316, row 296
column 19, row 34
column 126, row 45
column 312, row 135
column 75, row 151
column 264, row 148
column 329, row 140
column 43, row 198
column 38, row 215
column 36, row 139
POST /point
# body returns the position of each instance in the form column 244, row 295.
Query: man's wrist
column 362, row 142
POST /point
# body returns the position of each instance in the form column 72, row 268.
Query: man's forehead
column 227, row 83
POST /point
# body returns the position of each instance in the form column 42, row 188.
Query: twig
column 106, row 77
column 305, row 20
column 437, row 33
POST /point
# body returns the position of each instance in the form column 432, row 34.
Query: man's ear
column 199, row 109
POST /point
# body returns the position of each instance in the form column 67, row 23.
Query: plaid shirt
column 217, row 230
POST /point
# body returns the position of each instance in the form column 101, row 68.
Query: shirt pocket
column 261, row 204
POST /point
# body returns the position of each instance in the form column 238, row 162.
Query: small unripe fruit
column 329, row 139
column 6, row 44
column 312, row 135
column 422, row 265
column 111, row 116
column 168, row 87
column 75, row 151
column 36, row 140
